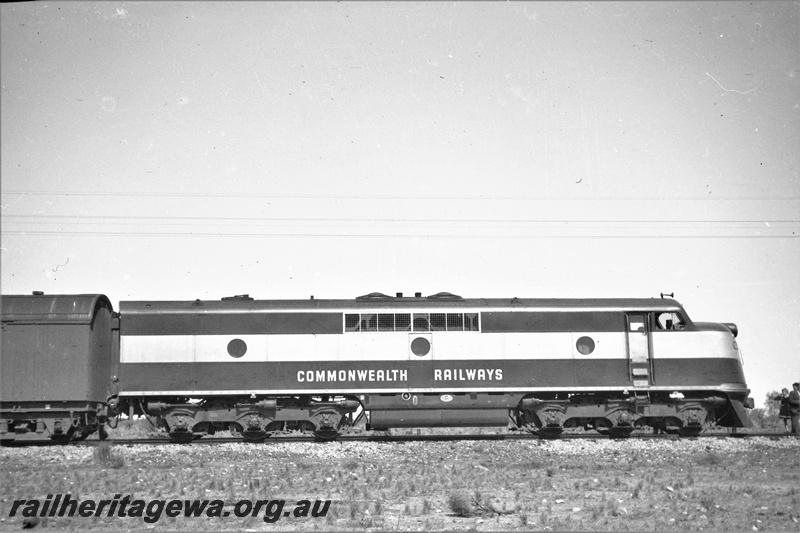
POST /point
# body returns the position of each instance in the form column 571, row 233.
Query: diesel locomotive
column 71, row 364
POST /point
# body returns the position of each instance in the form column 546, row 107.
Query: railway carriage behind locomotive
column 258, row 367
column 56, row 357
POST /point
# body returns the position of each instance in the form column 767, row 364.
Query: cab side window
column 669, row 321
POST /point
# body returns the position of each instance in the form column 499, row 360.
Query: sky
column 183, row 150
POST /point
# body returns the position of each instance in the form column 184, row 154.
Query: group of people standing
column 790, row 408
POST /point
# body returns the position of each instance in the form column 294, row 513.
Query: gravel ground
column 719, row 484
column 603, row 449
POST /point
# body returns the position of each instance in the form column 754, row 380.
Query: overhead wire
column 185, row 194
column 487, row 227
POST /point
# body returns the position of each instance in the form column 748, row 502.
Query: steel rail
column 432, row 438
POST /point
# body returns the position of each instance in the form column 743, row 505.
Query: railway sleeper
column 254, row 420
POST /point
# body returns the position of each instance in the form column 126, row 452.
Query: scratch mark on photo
column 59, row 266
column 733, row 90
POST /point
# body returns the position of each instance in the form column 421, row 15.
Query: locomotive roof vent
column 373, row 296
column 237, row 297
column 445, row 296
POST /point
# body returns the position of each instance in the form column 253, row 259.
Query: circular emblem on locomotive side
column 420, row 346
column 585, row 345
column 237, row 348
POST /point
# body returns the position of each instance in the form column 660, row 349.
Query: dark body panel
column 698, row 372
column 230, row 323
column 355, row 377
column 56, row 347
column 549, row 321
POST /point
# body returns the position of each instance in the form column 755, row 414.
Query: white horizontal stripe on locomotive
column 189, row 348
column 694, row 345
column 729, row 387
column 366, row 347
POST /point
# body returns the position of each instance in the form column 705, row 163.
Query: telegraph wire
column 88, row 219
column 404, row 197
column 385, row 235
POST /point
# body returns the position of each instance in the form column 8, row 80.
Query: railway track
column 435, row 438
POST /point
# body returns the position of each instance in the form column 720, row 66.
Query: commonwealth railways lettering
column 468, row 374
column 439, row 374
column 351, row 375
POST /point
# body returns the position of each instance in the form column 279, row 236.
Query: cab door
column 638, row 340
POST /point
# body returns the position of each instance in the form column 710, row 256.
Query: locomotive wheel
column 550, row 432
column 620, row 432
column 181, row 437
column 82, row 436
column 255, row 436
column 690, row 431
column 64, row 438
column 326, row 435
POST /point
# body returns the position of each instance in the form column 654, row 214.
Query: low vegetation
column 709, row 484
column 106, row 457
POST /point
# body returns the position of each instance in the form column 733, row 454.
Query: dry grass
column 106, row 457
column 731, row 484
column 137, row 428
